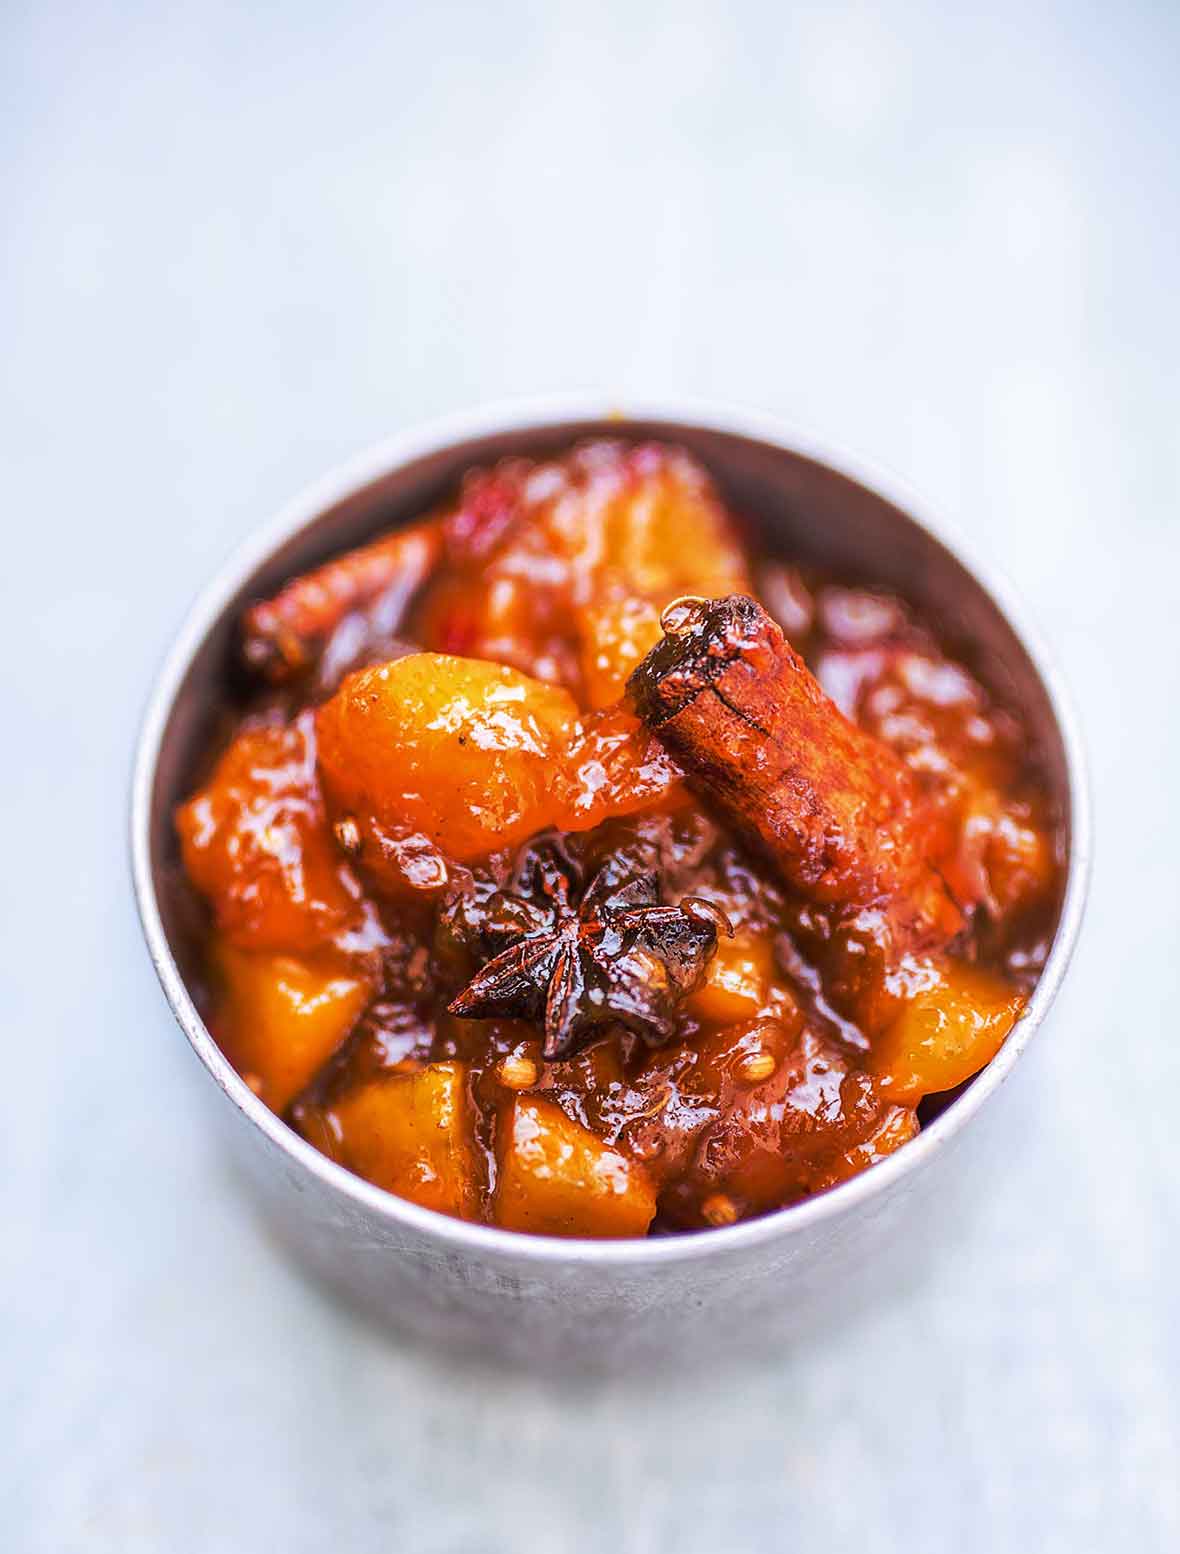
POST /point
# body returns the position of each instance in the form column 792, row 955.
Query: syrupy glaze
column 443, row 717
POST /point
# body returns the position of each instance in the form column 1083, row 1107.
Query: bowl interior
column 800, row 507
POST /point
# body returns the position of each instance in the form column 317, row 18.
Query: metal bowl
column 537, row 1299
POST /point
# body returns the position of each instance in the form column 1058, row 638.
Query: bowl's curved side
column 472, row 1278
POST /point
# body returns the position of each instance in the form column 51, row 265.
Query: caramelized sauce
column 366, row 839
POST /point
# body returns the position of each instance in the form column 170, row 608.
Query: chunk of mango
column 556, row 1178
column 953, row 1025
column 409, row 1131
column 281, row 1018
column 737, row 979
column 616, row 632
column 433, row 752
column 256, row 843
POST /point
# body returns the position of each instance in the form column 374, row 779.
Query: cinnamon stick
column 838, row 814
column 283, row 636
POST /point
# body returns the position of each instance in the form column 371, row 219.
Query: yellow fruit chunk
column 667, row 533
column 737, row 980
column 1019, row 861
column 433, row 755
column 408, row 1131
column 556, row 1178
column 616, row 632
column 949, row 1030
column 280, row 1018
column 255, row 842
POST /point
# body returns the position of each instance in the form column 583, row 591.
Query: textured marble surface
column 239, row 245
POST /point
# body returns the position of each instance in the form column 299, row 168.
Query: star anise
column 620, row 957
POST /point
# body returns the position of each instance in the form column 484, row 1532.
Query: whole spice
column 283, row 636
column 619, row 957
column 838, row 813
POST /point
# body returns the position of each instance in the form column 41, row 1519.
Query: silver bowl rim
column 525, row 415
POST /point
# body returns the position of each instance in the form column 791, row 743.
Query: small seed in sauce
column 348, row 835
column 756, row 1067
column 719, row 1209
column 517, row 1072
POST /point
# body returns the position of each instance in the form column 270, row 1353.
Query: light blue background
column 240, row 243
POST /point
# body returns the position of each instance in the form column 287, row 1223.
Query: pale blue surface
column 237, row 250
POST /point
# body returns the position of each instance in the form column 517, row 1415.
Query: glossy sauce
column 374, row 819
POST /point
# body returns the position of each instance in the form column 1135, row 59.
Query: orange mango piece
column 615, row 632
column 255, row 842
column 737, row 979
column 614, row 766
column 951, row 1028
column 556, row 1178
column 437, row 756
column 281, row 1018
column 668, row 533
column 409, row 1131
